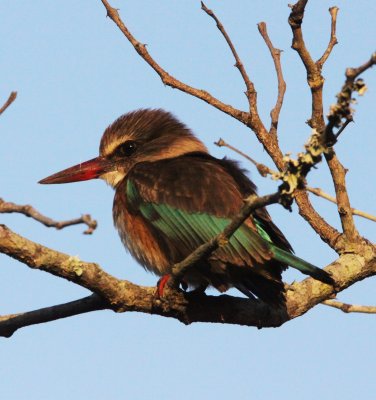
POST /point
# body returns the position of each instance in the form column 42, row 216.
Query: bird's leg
column 161, row 285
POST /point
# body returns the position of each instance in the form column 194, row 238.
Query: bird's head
column 140, row 136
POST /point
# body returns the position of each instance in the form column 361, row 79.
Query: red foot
column 161, row 285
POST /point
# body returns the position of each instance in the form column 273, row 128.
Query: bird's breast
column 139, row 238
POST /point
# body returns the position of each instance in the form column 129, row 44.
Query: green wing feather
column 190, row 214
column 194, row 228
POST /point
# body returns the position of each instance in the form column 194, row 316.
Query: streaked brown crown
column 158, row 134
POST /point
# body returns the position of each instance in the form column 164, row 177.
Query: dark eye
column 126, row 149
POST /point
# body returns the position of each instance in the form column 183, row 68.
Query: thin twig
column 319, row 192
column 333, row 39
column 250, row 204
column 352, row 73
column 10, row 100
column 276, row 56
column 350, row 308
column 251, row 92
column 342, row 110
column 343, row 127
column 29, row 211
column 261, row 168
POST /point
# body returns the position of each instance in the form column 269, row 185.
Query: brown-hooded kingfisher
column 171, row 196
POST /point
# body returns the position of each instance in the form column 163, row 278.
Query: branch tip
column 9, row 101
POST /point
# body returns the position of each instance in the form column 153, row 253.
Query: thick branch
column 29, row 211
column 123, row 296
column 10, row 323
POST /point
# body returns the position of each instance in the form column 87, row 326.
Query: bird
column 171, row 196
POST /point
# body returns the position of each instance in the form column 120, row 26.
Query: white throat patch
column 113, row 178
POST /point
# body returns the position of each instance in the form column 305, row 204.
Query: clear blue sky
column 75, row 73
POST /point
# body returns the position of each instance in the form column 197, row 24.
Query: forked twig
column 29, row 211
column 333, row 38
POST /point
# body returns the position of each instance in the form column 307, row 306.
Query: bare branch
column 333, row 39
column 166, row 78
column 276, row 55
column 10, row 100
column 250, row 119
column 250, row 204
column 342, row 110
column 316, row 81
column 319, row 192
column 251, row 91
column 314, row 77
column 350, row 308
column 11, row 323
column 29, row 211
column 123, row 296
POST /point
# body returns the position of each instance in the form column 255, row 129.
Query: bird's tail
column 301, row 265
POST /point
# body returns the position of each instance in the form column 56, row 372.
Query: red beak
column 81, row 172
